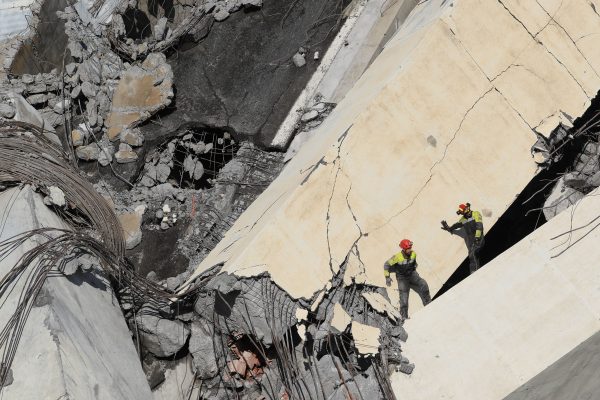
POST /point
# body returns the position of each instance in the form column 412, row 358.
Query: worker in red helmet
column 404, row 265
column 472, row 225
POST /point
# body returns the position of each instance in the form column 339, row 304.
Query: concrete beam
column 75, row 343
column 445, row 114
column 505, row 324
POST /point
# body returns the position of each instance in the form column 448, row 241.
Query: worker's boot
column 404, row 312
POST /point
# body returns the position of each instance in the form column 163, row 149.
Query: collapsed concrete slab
column 141, row 92
column 446, row 114
column 507, row 323
column 75, row 343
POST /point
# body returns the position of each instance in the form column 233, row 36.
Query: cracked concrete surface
column 75, row 343
column 503, row 317
column 476, row 76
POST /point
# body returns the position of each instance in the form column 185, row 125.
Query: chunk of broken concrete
column 252, row 3
column 132, row 137
column 561, row 198
column 56, row 197
column 298, row 60
column 61, row 106
column 162, row 337
column 309, row 116
column 89, row 90
column 202, row 349
column 160, row 29
column 125, row 154
column 77, row 137
column 88, row 153
column 141, row 92
column 157, row 173
column 106, row 154
column 7, row 111
column 131, row 223
column 221, row 15
column 193, row 167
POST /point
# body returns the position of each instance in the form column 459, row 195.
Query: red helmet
column 462, row 208
column 406, row 244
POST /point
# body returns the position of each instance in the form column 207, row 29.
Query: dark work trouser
column 474, row 249
column 415, row 282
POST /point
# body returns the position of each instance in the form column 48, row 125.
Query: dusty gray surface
column 576, row 376
column 242, row 75
column 44, row 51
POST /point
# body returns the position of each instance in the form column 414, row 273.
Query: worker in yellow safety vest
column 404, row 265
column 471, row 223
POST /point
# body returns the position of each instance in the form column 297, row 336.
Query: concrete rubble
column 225, row 269
column 141, row 92
column 78, row 352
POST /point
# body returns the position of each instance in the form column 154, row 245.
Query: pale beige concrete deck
column 444, row 115
column 505, row 324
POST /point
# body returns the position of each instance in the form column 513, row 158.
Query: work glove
column 445, row 226
column 388, row 281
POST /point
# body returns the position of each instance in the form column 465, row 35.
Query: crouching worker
column 404, row 265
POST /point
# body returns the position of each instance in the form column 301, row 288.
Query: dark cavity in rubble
column 567, row 148
column 220, row 148
column 45, row 50
column 137, row 24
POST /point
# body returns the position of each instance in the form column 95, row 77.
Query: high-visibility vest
column 401, row 264
column 473, row 225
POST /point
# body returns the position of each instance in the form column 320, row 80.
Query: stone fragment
column 91, row 109
column 141, row 92
column 76, row 92
column 56, row 197
column 118, row 25
column 202, row 350
column 221, row 15
column 319, row 107
column 75, row 49
column 106, row 154
column 160, row 29
column 162, row 337
column 252, row 3
column 78, row 137
column 90, row 71
column 89, row 90
column 561, row 197
column 61, row 106
column 309, row 116
column 7, row 110
column 131, row 223
column 132, row 137
column 71, row 68
column 36, row 88
column 88, row 153
column 27, row 78
column 298, row 60
column 193, row 167
column 125, row 154
column 37, row 99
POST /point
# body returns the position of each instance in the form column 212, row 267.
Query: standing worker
column 404, row 264
column 472, row 225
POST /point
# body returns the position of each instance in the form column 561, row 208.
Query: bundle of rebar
column 26, row 156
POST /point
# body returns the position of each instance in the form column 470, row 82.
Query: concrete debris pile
column 582, row 176
column 164, row 202
column 141, row 92
column 248, row 337
column 309, row 121
column 42, row 91
column 147, row 26
column 185, row 160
